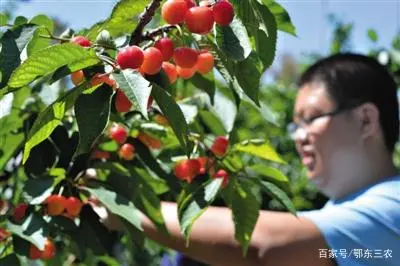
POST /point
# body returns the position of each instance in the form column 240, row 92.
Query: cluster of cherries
column 54, row 205
column 126, row 151
column 188, row 169
column 176, row 62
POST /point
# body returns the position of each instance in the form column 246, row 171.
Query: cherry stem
column 144, row 19
column 54, row 38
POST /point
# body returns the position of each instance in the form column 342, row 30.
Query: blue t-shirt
column 363, row 228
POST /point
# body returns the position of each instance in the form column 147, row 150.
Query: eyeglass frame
column 310, row 120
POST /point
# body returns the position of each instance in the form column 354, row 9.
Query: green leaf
column 192, row 205
column 135, row 87
column 266, row 33
column 9, row 260
column 37, row 190
column 43, row 20
column 212, row 122
column 234, row 40
column 373, row 36
column 50, row 59
column 117, row 205
column 260, row 149
column 275, row 192
column 225, row 108
column 205, row 83
column 123, row 19
column 33, row 229
column 92, row 114
column 3, row 19
column 12, row 43
column 283, row 21
column 174, row 115
column 38, row 43
column 271, row 174
column 245, row 210
column 49, row 119
column 20, row 20
column 9, row 144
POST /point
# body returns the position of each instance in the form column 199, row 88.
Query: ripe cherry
column 118, row 133
column 186, row 73
column 55, row 205
column 153, row 60
column 205, row 62
column 103, row 78
column 122, row 103
column 174, row 11
column 222, row 174
column 77, row 77
column 34, row 252
column 127, row 152
column 130, row 57
column 187, row 169
column 223, row 13
column 185, row 57
column 81, row 40
column 4, row 234
column 199, row 20
column 149, row 141
column 166, row 47
column 190, row 3
column 170, row 71
column 98, row 154
column 73, row 206
column 220, row 146
column 49, row 250
column 20, row 211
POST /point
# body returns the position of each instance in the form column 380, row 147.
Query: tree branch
column 149, row 35
column 144, row 19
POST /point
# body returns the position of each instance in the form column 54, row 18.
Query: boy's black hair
column 353, row 79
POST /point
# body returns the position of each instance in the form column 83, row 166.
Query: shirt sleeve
column 361, row 232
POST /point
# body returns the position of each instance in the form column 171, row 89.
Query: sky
column 309, row 17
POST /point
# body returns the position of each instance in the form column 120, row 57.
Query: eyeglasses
column 304, row 123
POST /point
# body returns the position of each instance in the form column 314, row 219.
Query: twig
column 144, row 19
column 54, row 38
column 149, row 35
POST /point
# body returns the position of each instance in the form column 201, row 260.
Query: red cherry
column 222, row 174
column 55, row 205
column 174, row 11
column 34, row 252
column 187, row 169
column 118, row 133
column 122, row 103
column 4, row 234
column 170, row 71
column 73, row 206
column 127, row 152
column 166, row 47
column 81, row 40
column 199, row 20
column 205, row 62
column 101, row 78
column 149, row 141
column 130, row 57
column 77, row 77
column 186, row 73
column 185, row 57
column 153, row 60
column 98, row 154
column 223, row 13
column 190, row 3
column 20, row 211
column 49, row 250
column 220, row 146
